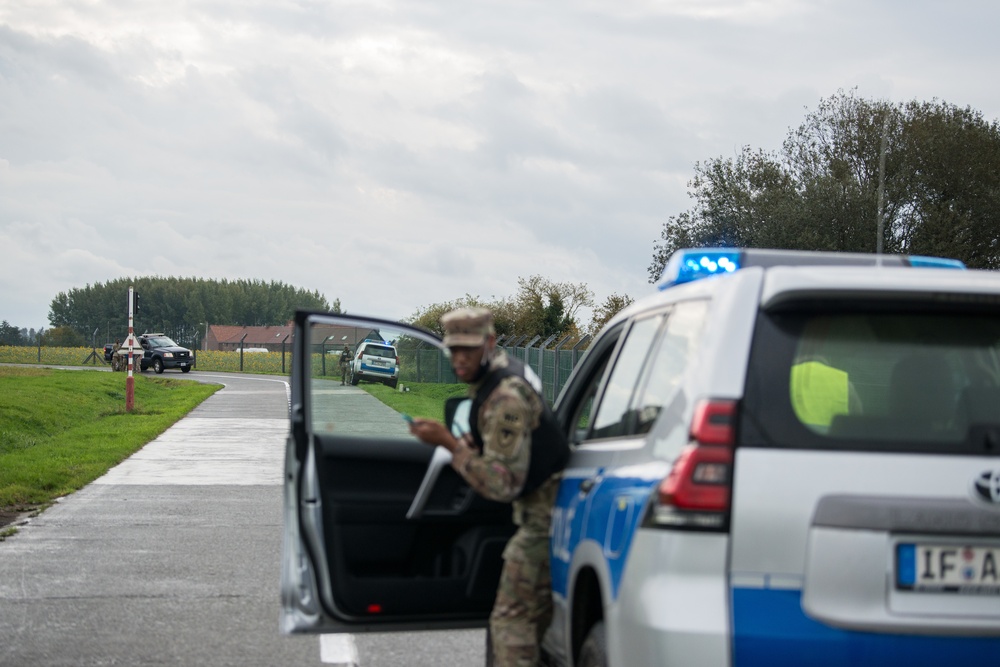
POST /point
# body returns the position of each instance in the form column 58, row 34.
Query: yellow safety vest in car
column 819, row 392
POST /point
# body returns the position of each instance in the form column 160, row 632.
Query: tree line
column 180, row 307
column 919, row 178
column 540, row 307
column 12, row 335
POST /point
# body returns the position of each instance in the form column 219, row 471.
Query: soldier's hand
column 432, row 432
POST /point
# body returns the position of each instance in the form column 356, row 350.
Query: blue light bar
column 935, row 262
column 688, row 265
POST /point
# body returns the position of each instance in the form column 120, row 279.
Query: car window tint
column 878, row 380
column 671, row 357
column 613, row 415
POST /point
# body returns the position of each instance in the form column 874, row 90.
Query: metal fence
column 553, row 366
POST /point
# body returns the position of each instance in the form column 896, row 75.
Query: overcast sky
column 399, row 153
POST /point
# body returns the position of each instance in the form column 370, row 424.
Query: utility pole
column 881, row 187
column 131, row 343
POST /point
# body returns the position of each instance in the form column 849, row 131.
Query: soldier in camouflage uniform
column 345, row 363
column 513, row 454
column 117, row 363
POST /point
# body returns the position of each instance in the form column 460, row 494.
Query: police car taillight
column 695, row 494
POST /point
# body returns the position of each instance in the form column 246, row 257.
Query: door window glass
column 675, row 349
column 613, row 414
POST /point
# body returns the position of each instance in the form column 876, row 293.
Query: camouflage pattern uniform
column 118, row 362
column 523, row 608
column 345, row 363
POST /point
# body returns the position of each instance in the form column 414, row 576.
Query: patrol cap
column 467, row 327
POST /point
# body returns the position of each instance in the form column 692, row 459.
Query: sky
column 395, row 154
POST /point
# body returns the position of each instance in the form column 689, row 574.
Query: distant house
column 227, row 337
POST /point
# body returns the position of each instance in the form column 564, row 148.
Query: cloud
column 396, row 154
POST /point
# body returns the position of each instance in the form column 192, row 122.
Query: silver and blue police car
column 779, row 458
column 786, row 458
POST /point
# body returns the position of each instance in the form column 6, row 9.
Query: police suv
column 375, row 361
column 779, row 458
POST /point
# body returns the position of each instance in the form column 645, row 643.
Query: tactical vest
column 549, row 447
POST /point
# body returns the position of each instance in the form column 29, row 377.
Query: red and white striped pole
column 130, row 381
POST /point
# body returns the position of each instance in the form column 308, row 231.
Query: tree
column 11, row 335
column 547, row 308
column 179, row 306
column 954, row 194
column 603, row 313
column 63, row 337
column 941, row 186
column 429, row 317
column 541, row 307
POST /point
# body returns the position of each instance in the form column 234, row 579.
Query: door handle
column 586, row 485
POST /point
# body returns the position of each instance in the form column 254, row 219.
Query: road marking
column 339, row 650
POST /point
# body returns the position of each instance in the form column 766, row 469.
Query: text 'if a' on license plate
column 948, row 568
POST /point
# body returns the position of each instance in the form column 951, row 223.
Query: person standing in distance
column 514, row 453
column 345, row 363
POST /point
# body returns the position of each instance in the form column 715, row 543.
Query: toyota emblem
column 987, row 487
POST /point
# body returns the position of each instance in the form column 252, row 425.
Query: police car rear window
column 379, row 351
column 920, row 381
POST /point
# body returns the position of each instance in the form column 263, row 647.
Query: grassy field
column 60, row 429
column 423, row 399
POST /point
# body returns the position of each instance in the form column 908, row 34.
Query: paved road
column 173, row 557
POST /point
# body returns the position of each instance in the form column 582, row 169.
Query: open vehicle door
column 380, row 532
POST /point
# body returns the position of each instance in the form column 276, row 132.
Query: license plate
column 379, row 362
column 948, row 568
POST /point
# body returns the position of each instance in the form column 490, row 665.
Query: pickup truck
column 160, row 352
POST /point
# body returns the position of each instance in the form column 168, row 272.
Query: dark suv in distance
column 159, row 352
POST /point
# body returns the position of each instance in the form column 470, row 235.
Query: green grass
column 60, row 430
column 423, row 399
